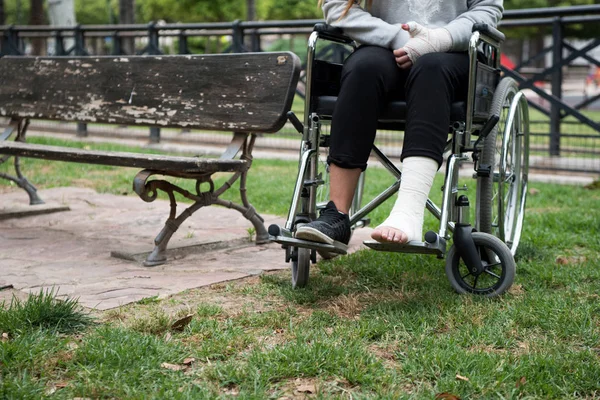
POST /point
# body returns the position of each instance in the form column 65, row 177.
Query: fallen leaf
column 168, row 336
column 567, row 260
column 521, row 382
column 52, row 389
column 516, row 290
column 232, row 391
column 523, row 345
column 462, row 378
column 172, row 367
column 533, row 191
column 446, row 396
column 5, row 337
column 306, row 388
column 189, row 361
column 180, row 324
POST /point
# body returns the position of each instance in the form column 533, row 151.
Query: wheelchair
column 490, row 130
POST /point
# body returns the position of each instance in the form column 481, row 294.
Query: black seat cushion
column 393, row 116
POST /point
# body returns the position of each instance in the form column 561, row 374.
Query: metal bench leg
column 23, row 183
column 20, row 126
column 159, row 253
column 262, row 236
column 246, row 144
column 148, row 191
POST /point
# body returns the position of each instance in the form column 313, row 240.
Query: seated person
column 413, row 50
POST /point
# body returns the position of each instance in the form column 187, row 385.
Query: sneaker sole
column 314, row 235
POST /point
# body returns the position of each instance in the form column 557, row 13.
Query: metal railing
column 242, row 36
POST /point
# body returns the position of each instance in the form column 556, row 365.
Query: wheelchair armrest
column 489, row 31
column 332, row 33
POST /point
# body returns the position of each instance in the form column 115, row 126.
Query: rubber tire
column 486, row 204
column 496, row 246
column 301, row 268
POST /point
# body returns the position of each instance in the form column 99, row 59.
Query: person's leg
column 342, row 186
column 369, row 76
column 434, row 82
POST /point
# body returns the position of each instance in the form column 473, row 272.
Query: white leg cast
column 409, row 209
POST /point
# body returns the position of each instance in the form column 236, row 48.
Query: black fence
column 565, row 122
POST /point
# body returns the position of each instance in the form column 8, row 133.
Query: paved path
column 71, row 250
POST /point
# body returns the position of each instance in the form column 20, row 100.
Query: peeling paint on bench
column 244, row 92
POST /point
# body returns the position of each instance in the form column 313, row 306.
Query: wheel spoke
column 475, row 281
column 487, row 271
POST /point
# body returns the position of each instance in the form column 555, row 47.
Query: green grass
column 369, row 325
column 42, row 312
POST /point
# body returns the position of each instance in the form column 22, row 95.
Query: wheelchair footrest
column 336, row 247
column 413, row 246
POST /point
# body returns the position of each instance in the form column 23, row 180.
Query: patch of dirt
column 386, row 352
column 82, row 182
column 7, row 295
column 230, row 297
column 352, row 305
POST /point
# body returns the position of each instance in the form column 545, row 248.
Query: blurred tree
column 192, row 10
column 519, row 4
column 95, row 11
column 290, row 9
column 37, row 17
column 126, row 11
column 127, row 16
column 91, row 12
column 1, row 12
column 573, row 30
column 250, row 10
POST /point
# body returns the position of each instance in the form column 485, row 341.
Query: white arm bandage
column 424, row 40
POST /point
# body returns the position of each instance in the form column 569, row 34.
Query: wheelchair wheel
column 301, row 267
column 499, row 266
column 501, row 196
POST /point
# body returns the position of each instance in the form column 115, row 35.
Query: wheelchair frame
column 500, row 155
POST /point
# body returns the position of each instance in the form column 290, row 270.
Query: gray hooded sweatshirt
column 380, row 25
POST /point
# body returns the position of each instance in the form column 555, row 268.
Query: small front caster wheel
column 301, row 268
column 499, row 268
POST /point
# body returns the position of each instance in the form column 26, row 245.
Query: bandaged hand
column 422, row 41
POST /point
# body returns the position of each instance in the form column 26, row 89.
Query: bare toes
column 386, row 234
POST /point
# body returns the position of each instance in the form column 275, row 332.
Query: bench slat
column 156, row 162
column 249, row 92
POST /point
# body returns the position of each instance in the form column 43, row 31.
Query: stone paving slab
column 71, row 250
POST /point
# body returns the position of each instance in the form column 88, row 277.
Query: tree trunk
column 62, row 13
column 36, row 17
column 2, row 12
column 250, row 10
column 127, row 16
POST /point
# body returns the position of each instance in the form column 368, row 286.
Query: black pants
column 370, row 78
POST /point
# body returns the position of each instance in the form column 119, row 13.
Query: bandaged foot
column 424, row 40
column 405, row 222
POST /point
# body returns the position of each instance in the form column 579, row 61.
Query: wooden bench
column 246, row 94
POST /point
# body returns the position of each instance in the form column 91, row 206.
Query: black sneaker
column 331, row 226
